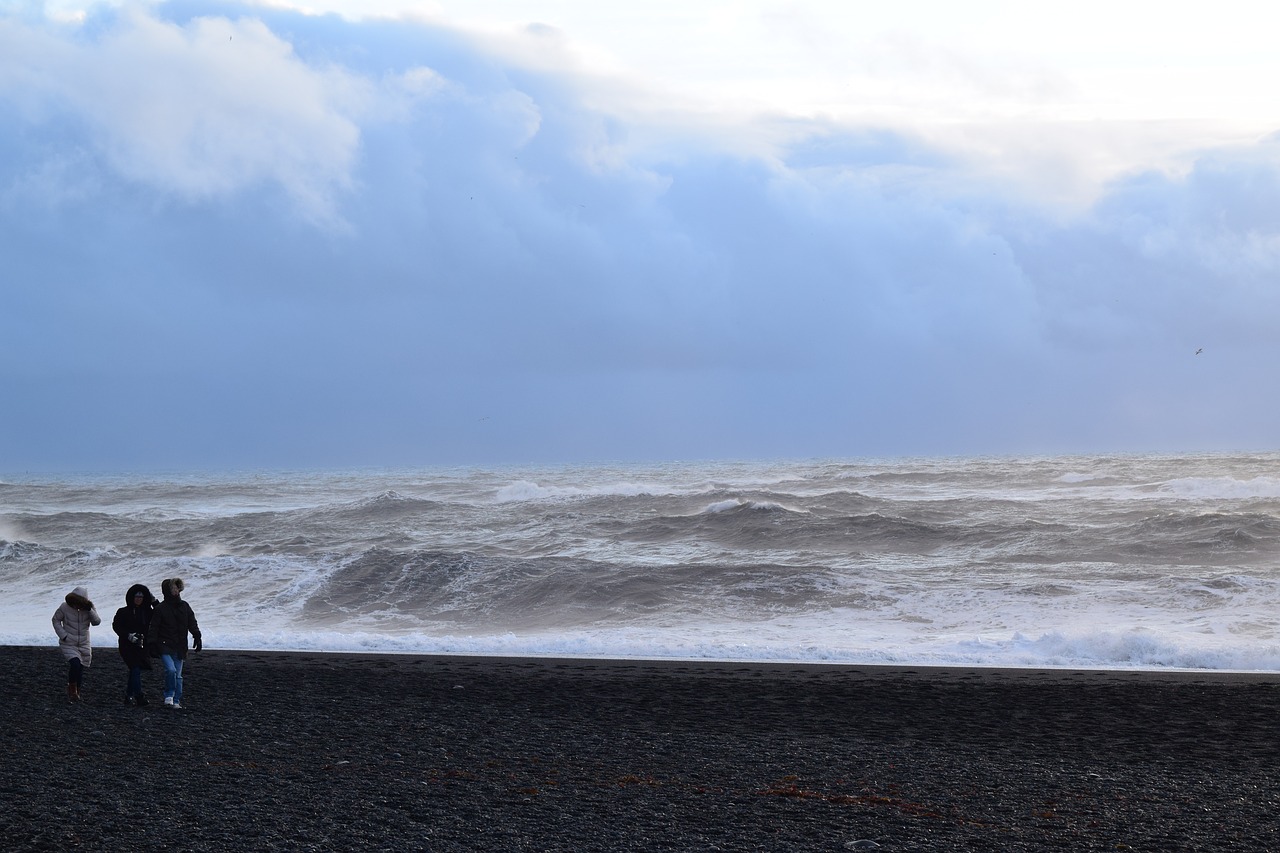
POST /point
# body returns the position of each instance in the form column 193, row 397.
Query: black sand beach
column 303, row 751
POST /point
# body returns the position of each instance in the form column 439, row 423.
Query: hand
column 198, row 645
column 136, row 639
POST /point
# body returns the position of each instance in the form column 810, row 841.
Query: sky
column 341, row 233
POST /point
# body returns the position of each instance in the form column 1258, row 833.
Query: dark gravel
column 279, row 751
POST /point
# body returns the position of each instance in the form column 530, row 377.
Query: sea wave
column 1104, row 650
column 1097, row 561
column 745, row 505
column 523, row 490
column 1223, row 488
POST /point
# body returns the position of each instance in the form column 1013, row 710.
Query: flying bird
column 1200, row 350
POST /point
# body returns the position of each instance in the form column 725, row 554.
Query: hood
column 148, row 598
column 79, row 599
column 171, row 585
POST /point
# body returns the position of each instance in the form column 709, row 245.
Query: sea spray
column 1098, row 561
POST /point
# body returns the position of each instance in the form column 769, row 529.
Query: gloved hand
column 198, row 645
column 136, row 639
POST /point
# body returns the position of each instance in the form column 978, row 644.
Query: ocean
column 1112, row 562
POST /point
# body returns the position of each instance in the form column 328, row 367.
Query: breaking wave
column 1083, row 561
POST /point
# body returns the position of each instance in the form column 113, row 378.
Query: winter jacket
column 71, row 623
column 172, row 620
column 131, row 620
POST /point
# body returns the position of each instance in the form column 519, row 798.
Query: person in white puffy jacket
column 71, row 622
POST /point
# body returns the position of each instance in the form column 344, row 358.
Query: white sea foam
column 1224, row 488
column 1101, row 650
column 730, row 504
column 524, row 490
column 1108, row 562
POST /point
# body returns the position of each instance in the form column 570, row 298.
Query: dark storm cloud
column 244, row 237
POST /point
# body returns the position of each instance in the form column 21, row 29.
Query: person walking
column 130, row 624
column 71, row 622
column 172, row 620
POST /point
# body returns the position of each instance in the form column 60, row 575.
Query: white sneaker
column 177, row 706
column 168, row 700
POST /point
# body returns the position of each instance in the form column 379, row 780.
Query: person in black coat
column 172, row 620
column 130, row 624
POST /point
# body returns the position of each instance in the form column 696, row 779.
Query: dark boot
column 142, row 700
column 73, row 691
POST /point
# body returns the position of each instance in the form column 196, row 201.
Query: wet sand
column 308, row 751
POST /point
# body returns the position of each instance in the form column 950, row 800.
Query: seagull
column 1200, row 350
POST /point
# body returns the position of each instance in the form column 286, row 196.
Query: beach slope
column 311, row 751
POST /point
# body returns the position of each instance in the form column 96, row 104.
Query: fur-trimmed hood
column 147, row 598
column 71, row 622
column 169, row 586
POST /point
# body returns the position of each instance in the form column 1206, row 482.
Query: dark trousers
column 75, row 672
column 135, row 682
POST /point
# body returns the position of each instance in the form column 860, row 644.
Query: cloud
column 377, row 243
column 203, row 109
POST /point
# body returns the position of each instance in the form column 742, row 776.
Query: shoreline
column 767, row 666
column 782, row 668
column 353, row 750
